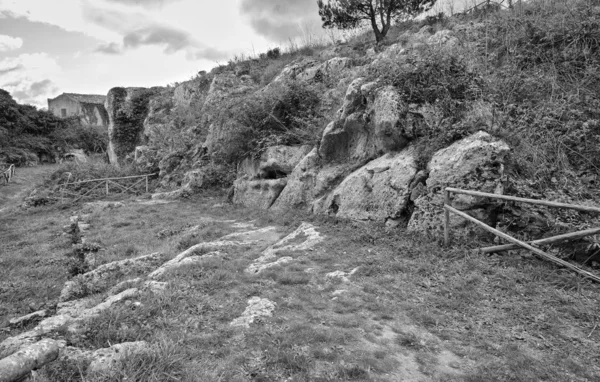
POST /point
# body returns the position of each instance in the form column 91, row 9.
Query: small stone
column 339, row 292
column 15, row 322
column 257, row 308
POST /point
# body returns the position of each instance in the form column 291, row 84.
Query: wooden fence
column 104, row 186
column 9, row 174
column 515, row 243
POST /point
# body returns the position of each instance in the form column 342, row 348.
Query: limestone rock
column 103, row 360
column 276, row 162
column 365, row 130
column 192, row 251
column 443, row 37
column 258, row 193
column 454, row 164
column 20, row 364
column 257, row 307
column 106, row 359
column 300, row 189
column 377, row 191
column 68, row 316
column 341, row 275
column 20, row 321
column 222, row 139
column 127, row 109
column 473, row 163
column 327, row 69
column 288, row 244
column 259, row 182
column 100, row 278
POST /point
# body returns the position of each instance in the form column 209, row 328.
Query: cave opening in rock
column 273, row 174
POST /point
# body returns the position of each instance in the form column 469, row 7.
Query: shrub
column 273, row 53
column 26, row 133
column 286, row 114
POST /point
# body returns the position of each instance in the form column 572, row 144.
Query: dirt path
column 24, row 180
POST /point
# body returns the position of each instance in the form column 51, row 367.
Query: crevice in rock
column 335, row 205
column 273, row 173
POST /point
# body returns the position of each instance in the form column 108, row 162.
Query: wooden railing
column 9, row 174
column 515, row 243
column 97, row 189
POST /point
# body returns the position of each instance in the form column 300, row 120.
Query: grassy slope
column 414, row 309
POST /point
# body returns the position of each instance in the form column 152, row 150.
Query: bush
column 27, row 133
column 286, row 114
column 273, row 53
column 546, row 84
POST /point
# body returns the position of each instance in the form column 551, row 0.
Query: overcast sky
column 48, row 47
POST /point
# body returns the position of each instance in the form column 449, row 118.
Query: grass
column 412, row 307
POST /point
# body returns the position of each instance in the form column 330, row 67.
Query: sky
column 48, row 47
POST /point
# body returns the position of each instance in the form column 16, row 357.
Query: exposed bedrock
column 127, row 109
column 473, row 163
column 260, row 181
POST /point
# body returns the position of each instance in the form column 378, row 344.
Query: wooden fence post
column 146, row 184
column 106, row 187
column 446, row 218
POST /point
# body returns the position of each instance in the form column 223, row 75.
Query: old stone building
column 89, row 107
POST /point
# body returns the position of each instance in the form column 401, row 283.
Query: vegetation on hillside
column 26, row 133
column 380, row 14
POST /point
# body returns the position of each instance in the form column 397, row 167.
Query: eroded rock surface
column 257, row 307
column 377, row 191
column 306, row 233
column 473, row 163
column 100, row 278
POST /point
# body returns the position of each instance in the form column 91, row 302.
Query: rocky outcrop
column 106, row 359
column 313, row 70
column 100, row 278
column 20, row 364
column 127, row 109
column 370, row 124
column 260, row 181
column 377, row 191
column 473, row 163
column 224, row 90
column 257, row 307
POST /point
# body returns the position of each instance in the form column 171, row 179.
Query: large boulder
column 275, row 162
column 370, row 123
column 258, row 193
column 380, row 190
column 473, row 163
column 260, row 181
column 300, row 189
column 127, row 109
column 369, row 126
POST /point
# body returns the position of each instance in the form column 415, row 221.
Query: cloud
column 30, row 92
column 29, row 77
column 110, row 48
column 144, row 3
column 8, row 43
column 279, row 20
column 6, row 69
column 172, row 39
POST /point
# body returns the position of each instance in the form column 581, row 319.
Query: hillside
column 296, row 232
column 306, row 128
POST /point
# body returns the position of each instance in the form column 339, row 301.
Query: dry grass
column 412, row 307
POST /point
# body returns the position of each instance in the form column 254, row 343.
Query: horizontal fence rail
column 107, row 183
column 515, row 243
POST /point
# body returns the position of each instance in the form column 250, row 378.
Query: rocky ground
column 203, row 290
